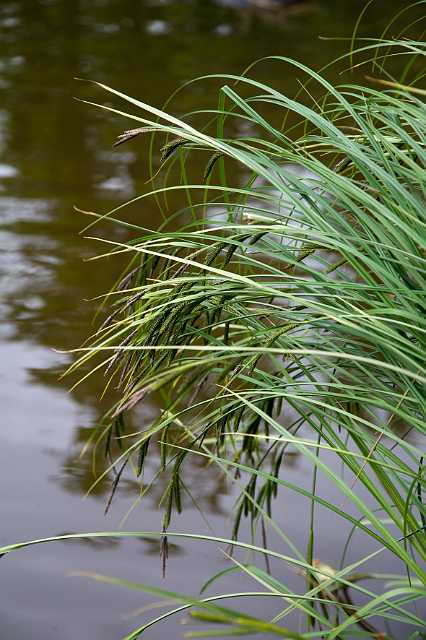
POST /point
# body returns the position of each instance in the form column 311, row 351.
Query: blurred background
column 57, row 153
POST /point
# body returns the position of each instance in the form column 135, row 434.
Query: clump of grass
column 287, row 311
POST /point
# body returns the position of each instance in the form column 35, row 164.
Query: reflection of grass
column 296, row 323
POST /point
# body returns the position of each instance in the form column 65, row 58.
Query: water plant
column 281, row 309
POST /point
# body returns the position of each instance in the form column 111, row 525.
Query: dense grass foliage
column 283, row 309
column 287, row 312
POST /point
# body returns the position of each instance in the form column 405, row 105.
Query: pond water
column 56, row 153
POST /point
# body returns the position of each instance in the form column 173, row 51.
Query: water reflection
column 77, row 474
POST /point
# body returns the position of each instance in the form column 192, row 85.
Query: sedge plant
column 281, row 309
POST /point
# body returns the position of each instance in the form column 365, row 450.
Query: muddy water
column 56, row 153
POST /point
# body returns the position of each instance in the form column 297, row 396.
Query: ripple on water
column 10, row 22
column 23, row 209
column 8, row 171
column 121, row 185
column 157, row 27
column 19, row 271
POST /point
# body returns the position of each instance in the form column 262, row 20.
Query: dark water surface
column 56, row 153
